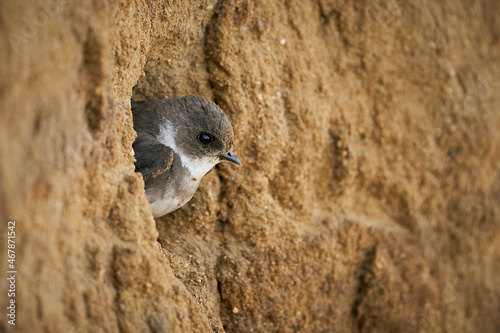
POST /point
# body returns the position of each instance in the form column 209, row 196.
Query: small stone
column 235, row 310
column 283, row 41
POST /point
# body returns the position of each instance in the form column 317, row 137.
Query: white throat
column 198, row 167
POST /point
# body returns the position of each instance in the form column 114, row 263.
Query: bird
column 179, row 140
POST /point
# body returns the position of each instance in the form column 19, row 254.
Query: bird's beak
column 230, row 157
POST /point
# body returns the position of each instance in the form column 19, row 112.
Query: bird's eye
column 205, row 139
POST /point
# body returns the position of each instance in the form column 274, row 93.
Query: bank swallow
column 178, row 141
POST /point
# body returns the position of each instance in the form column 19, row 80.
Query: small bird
column 178, row 141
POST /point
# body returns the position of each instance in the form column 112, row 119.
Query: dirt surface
column 368, row 199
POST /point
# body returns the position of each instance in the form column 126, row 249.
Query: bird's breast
column 177, row 191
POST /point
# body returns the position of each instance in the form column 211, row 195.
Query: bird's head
column 201, row 133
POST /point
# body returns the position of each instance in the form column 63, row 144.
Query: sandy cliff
column 369, row 195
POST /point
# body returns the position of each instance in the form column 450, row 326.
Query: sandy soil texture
column 368, row 199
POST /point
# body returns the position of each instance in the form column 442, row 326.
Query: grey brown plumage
column 170, row 148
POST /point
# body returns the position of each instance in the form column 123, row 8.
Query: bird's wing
column 152, row 157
